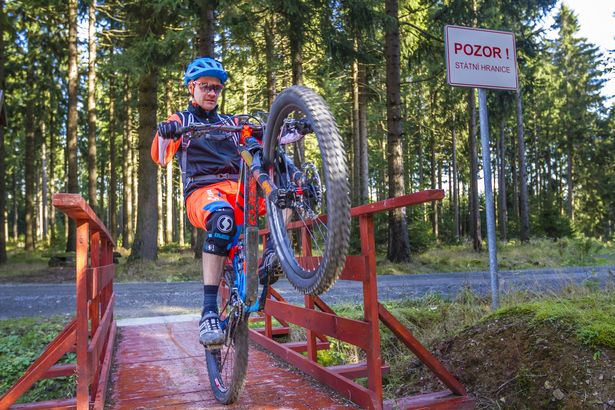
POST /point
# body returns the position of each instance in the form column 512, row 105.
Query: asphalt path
column 176, row 298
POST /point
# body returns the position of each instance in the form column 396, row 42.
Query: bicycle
column 298, row 192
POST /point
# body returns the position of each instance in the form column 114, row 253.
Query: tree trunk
column 159, row 207
column 569, row 176
column 92, row 170
column 515, row 184
column 501, row 157
column 439, row 203
column 101, row 188
column 36, row 221
column 524, row 225
column 477, row 241
column 245, row 93
column 29, row 176
column 3, row 187
column 432, row 180
column 127, row 218
column 134, row 143
column 71, row 126
column 181, row 213
column 112, row 162
column 170, row 198
column 52, row 165
column 207, row 27
column 15, row 209
column 44, row 186
column 198, row 236
column 455, row 185
column 144, row 246
column 356, row 152
column 399, row 244
column 363, row 144
column 296, row 56
column 270, row 59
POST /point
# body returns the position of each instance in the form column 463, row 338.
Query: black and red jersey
column 215, row 157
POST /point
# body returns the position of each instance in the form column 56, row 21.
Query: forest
column 85, row 82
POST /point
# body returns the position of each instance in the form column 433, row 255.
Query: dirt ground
column 508, row 363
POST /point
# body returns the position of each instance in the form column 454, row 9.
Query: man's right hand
column 167, row 129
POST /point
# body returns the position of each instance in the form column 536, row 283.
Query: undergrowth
column 589, row 313
column 21, row 342
column 538, row 253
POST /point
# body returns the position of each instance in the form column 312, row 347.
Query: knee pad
column 220, row 230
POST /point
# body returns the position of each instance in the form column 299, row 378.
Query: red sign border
column 448, row 63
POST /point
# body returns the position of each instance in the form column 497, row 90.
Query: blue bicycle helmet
column 205, row 67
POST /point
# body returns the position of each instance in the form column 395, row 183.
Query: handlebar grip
column 181, row 130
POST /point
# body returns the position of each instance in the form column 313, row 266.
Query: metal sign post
column 484, row 59
column 491, row 240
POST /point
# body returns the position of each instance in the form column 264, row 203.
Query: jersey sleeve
column 163, row 149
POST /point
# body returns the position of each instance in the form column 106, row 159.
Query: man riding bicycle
column 210, row 172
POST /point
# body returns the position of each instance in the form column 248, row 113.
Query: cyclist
column 210, row 169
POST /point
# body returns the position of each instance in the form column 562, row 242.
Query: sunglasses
column 206, row 87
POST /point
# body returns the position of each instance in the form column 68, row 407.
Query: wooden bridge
column 162, row 365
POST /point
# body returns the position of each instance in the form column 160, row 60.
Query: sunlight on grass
column 174, row 264
column 539, row 253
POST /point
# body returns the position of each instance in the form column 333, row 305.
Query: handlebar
column 216, row 127
column 298, row 127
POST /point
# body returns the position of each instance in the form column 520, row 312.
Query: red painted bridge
column 163, row 366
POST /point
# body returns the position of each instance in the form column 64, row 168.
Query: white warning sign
column 477, row 57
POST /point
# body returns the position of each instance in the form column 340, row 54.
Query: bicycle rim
column 314, row 255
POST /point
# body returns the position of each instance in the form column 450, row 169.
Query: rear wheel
column 321, row 188
column 227, row 365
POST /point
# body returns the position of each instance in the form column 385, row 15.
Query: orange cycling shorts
column 224, row 194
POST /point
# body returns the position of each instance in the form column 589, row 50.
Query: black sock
column 210, row 299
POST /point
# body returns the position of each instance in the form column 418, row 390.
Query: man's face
column 205, row 92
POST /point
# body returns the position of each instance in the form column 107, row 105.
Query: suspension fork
column 254, row 164
column 250, row 217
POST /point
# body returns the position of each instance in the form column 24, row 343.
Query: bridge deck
column 163, row 366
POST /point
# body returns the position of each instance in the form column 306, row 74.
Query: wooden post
column 83, row 397
column 306, row 250
column 370, row 309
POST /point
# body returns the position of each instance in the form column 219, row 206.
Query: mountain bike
column 300, row 169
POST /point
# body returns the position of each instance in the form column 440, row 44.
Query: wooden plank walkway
column 163, row 366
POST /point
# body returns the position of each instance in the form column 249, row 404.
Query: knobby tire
column 335, row 232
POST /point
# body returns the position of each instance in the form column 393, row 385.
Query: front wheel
column 311, row 233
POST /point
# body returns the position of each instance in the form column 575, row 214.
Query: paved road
column 161, row 299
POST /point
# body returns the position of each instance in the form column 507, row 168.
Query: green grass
column 178, row 264
column 173, row 265
column 21, row 342
column 22, row 262
column 590, row 314
column 539, row 253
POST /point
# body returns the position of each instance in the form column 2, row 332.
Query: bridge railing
column 321, row 322
column 91, row 332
